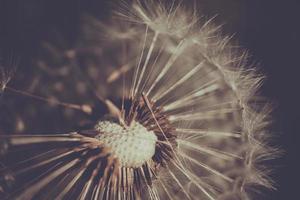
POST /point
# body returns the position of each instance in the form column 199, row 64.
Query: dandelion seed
column 8, row 65
column 180, row 122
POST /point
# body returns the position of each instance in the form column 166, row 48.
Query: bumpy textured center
column 133, row 145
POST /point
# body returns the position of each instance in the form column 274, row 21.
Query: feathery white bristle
column 182, row 75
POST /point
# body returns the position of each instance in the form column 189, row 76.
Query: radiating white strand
column 137, row 69
column 78, row 175
column 180, row 81
column 86, row 188
column 179, row 183
column 206, row 167
column 152, row 67
column 171, row 11
column 68, row 187
column 141, row 75
column 141, row 13
column 209, row 133
column 45, row 161
column 208, row 108
column 161, row 130
column 153, row 193
column 213, row 114
column 208, row 187
column 33, row 157
column 168, row 65
column 165, row 189
column 32, row 139
column 187, row 174
column 188, row 99
column 208, row 150
column 56, row 188
column 32, row 190
column 35, row 179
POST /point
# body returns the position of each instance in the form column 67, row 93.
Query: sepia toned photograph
column 149, row 100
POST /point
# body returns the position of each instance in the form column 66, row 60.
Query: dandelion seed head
column 189, row 124
column 133, row 146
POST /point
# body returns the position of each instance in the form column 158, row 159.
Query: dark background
column 270, row 29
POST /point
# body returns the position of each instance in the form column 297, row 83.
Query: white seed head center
column 133, row 145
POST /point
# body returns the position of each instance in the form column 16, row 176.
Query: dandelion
column 182, row 120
